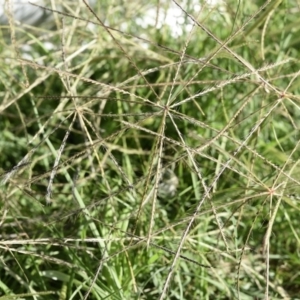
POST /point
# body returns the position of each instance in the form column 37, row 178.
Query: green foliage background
column 170, row 162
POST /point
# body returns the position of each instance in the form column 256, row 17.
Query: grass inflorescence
column 143, row 162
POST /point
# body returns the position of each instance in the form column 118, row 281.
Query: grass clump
column 140, row 162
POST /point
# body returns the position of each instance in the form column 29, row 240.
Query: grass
column 137, row 164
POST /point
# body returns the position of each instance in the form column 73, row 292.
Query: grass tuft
column 149, row 150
